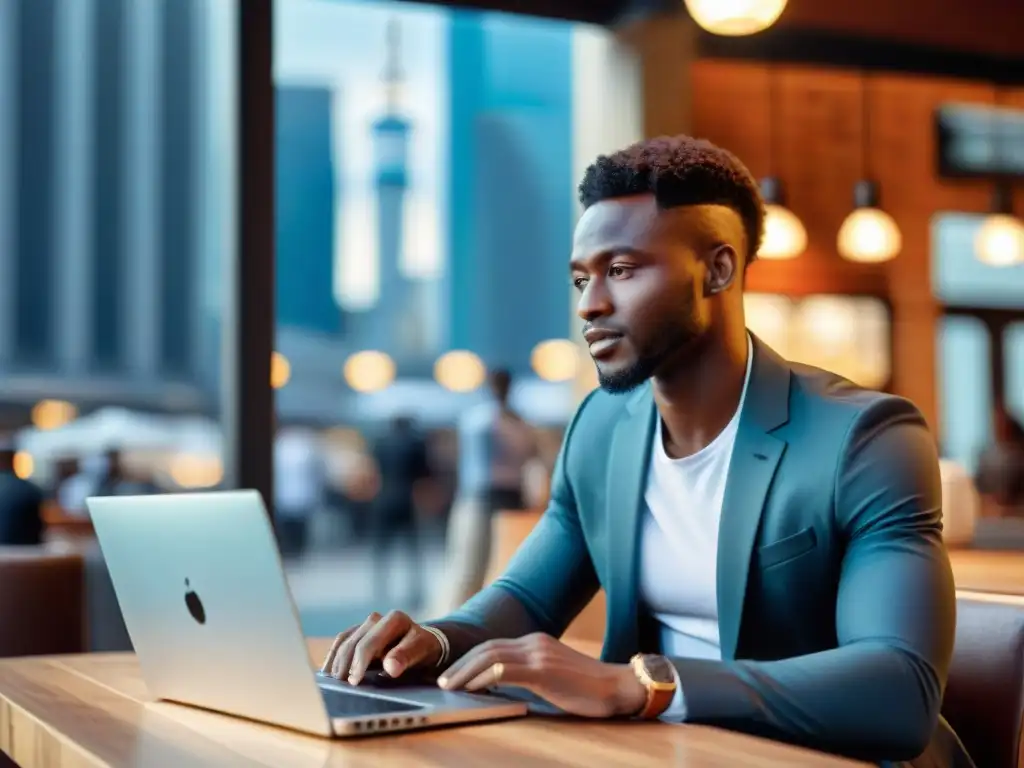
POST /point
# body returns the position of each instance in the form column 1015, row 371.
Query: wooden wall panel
column 817, row 122
column 730, row 107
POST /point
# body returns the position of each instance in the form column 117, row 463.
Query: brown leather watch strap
column 658, row 700
column 657, row 676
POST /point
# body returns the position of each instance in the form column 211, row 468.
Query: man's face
column 642, row 278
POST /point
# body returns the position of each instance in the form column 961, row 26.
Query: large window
column 980, row 338
column 425, row 195
column 427, row 159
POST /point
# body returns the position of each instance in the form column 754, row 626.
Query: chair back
column 42, row 602
column 984, row 701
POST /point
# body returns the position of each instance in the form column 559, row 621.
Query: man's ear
column 723, row 269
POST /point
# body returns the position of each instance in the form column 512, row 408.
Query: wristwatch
column 656, row 674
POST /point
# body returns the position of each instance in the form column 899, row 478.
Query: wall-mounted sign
column 980, row 141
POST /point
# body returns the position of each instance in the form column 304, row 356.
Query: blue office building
column 511, row 209
column 306, row 193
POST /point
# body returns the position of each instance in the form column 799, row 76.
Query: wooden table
column 93, row 710
column 988, row 571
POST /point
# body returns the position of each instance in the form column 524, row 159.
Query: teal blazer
column 836, row 604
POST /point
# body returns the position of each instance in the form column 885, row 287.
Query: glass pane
column 116, row 203
column 427, row 159
column 959, row 278
column 965, row 391
column 1014, row 351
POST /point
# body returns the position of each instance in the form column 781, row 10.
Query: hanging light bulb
column 868, row 235
column 784, row 234
column 735, row 18
column 999, row 241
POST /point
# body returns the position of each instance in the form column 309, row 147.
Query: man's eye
column 618, row 270
column 579, row 282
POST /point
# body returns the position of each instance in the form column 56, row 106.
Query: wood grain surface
column 93, row 710
column 988, row 571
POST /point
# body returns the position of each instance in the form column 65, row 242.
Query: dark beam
column 826, row 48
column 587, row 11
column 247, row 399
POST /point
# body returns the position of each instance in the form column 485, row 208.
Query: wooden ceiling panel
column 993, row 27
column 818, row 125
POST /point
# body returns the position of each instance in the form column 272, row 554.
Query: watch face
column 659, row 669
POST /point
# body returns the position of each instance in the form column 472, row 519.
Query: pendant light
column 999, row 241
column 735, row 18
column 868, row 235
column 784, row 234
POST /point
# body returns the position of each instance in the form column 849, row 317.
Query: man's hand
column 566, row 678
column 395, row 639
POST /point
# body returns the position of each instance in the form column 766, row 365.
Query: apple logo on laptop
column 194, row 604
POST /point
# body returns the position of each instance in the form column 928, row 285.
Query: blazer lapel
column 755, row 458
column 627, row 478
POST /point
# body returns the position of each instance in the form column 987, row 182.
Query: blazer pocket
column 788, row 548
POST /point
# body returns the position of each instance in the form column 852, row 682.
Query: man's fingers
column 501, row 672
column 480, row 660
column 417, row 646
column 325, row 668
column 343, row 656
column 376, row 642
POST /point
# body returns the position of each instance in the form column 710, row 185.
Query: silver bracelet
column 442, row 639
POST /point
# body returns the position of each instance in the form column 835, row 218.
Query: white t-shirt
column 679, row 540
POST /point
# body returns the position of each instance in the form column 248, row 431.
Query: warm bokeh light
column 869, row 236
column 369, row 371
column 460, row 371
column 194, row 471
column 828, row 322
column 848, row 335
column 784, row 234
column 735, row 17
column 769, row 318
column 555, row 360
column 961, row 504
column 999, row 241
column 52, row 414
column 24, row 465
column 280, row 370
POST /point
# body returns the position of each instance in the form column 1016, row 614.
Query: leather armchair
column 984, row 699
column 42, row 602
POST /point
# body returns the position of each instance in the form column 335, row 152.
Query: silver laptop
column 205, row 600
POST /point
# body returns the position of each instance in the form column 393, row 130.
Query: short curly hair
column 679, row 170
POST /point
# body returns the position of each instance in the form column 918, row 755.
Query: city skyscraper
column 511, row 212
column 390, row 327
column 100, row 200
column 306, row 199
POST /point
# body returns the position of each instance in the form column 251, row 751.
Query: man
column 772, row 531
column 403, row 466
column 298, row 489
column 21, row 505
column 495, row 447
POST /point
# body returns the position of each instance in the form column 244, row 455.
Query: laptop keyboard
column 342, row 703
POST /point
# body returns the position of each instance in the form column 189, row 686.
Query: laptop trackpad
column 342, row 703
column 536, row 705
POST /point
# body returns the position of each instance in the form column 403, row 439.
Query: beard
column 676, row 333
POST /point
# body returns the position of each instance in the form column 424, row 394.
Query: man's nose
column 594, row 302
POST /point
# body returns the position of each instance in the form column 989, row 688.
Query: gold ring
column 498, row 670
